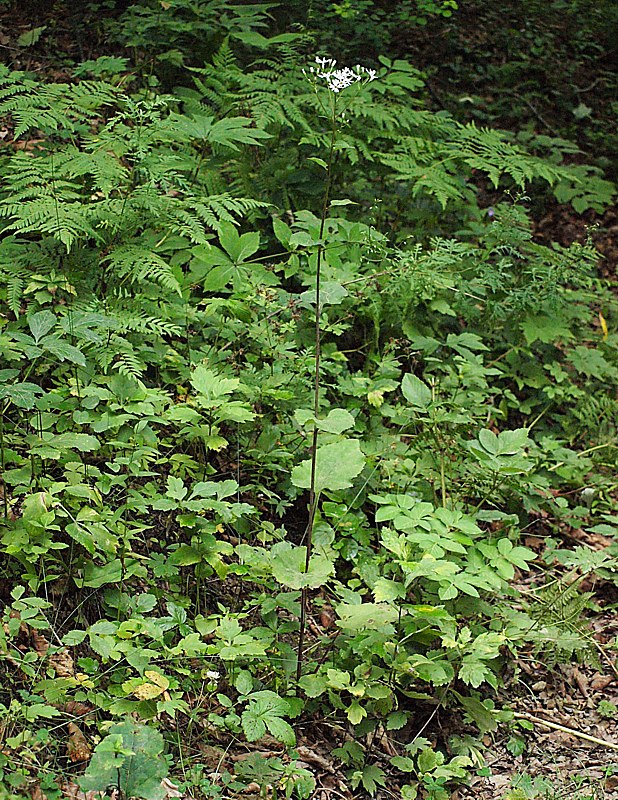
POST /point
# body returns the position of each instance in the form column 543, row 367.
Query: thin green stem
column 313, row 495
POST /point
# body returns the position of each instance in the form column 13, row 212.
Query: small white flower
column 213, row 675
column 339, row 79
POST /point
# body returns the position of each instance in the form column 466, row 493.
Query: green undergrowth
column 163, row 228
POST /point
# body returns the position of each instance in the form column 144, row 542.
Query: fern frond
column 137, row 264
column 52, row 107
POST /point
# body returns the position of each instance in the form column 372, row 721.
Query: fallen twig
column 555, row 726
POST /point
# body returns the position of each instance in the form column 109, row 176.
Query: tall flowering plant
column 324, row 75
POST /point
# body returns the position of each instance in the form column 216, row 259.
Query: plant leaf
column 336, row 466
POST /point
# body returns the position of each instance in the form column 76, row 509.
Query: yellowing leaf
column 157, row 684
column 603, row 324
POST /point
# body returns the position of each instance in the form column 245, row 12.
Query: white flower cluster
column 339, row 79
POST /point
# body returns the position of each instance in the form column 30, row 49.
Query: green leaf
column 131, row 757
column 356, row 712
column 28, row 38
column 40, row 324
column 288, row 566
column 212, row 386
column 312, row 685
column 378, row 616
column 264, row 711
column 337, row 465
column 331, row 293
column 63, row 350
column 396, row 720
column 23, row 395
column 39, row 710
column 478, row 713
column 472, row 671
column 417, row 393
column 83, row 442
column 281, row 730
column 176, row 488
column 388, row 590
column 238, row 248
column 319, row 161
column 403, row 763
column 337, row 421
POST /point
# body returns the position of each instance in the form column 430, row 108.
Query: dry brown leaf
column 600, row 682
column 76, row 708
column 611, row 783
column 36, row 793
column 72, row 792
column 40, row 644
column 77, row 745
column 63, row 664
column 311, row 757
column 581, row 681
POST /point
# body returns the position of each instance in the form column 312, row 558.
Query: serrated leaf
column 40, row 324
column 386, row 590
column 416, row 392
column 356, row 712
column 131, row 757
column 366, row 615
column 288, row 566
column 63, row 350
column 331, row 293
column 155, row 686
column 473, row 672
column 396, row 720
column 28, row 38
column 23, row 395
column 212, row 386
column 281, row 730
column 337, row 465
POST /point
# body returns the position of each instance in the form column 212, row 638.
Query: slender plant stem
column 313, row 495
column 571, row 731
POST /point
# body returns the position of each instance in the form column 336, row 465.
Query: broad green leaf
column 376, row 616
column 472, row 671
column 337, row 465
column 23, row 395
column 313, row 685
column 428, row 760
column 131, row 757
column 40, row 324
column 63, row 350
column 176, row 488
column 83, row 442
column 385, row 590
column 34, row 711
column 238, row 248
column 281, row 730
column 212, row 386
column 331, row 293
column 337, row 421
column 489, row 441
column 403, row 763
column 288, row 566
column 417, row 393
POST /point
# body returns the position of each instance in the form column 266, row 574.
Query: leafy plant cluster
column 165, row 252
